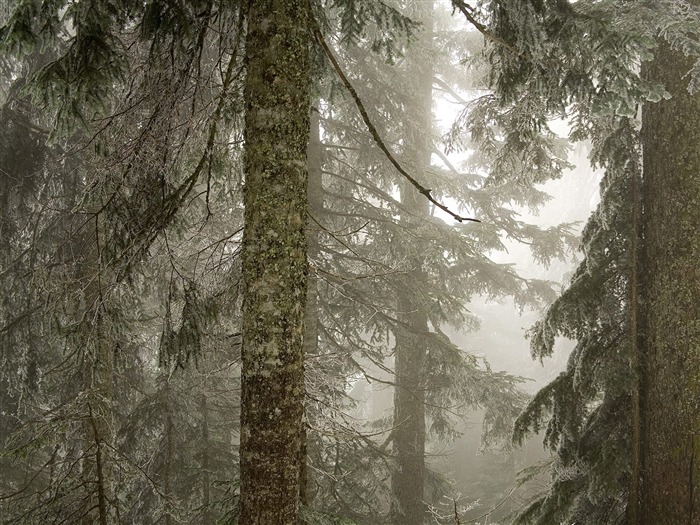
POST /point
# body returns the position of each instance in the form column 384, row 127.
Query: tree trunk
column 274, row 261
column 168, row 491
column 208, row 515
column 315, row 203
column 632, row 511
column 408, row 480
column 98, row 372
column 670, row 491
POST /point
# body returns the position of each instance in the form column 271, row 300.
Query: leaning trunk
column 274, row 264
column 670, row 491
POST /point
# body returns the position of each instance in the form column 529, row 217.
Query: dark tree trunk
column 670, row 491
column 274, row 261
column 98, row 372
column 632, row 511
column 408, row 480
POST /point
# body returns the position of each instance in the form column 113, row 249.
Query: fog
column 272, row 263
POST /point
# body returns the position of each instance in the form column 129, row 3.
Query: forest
column 265, row 262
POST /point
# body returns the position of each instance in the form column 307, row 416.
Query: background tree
column 361, row 276
column 116, row 172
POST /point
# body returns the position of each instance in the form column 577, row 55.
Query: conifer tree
column 410, row 355
column 111, row 194
column 581, row 60
column 274, row 265
column 367, row 262
column 670, row 294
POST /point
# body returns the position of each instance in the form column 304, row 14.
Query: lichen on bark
column 274, row 260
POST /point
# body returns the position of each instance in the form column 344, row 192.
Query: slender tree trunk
column 208, row 515
column 274, row 261
column 408, row 480
column 315, row 203
column 169, row 452
column 635, row 346
column 670, row 491
column 98, row 372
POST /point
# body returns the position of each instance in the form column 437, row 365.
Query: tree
column 132, row 162
column 385, row 256
column 410, row 355
column 274, row 265
column 670, row 294
column 592, row 409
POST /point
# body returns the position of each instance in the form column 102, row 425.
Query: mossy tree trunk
column 408, row 480
column 670, row 401
column 274, row 261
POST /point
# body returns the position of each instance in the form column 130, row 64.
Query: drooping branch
column 427, row 193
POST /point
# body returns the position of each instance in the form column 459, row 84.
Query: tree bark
column 169, row 453
column 274, row 261
column 408, row 480
column 635, row 342
column 670, row 401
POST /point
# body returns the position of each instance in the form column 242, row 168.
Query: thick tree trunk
column 408, row 480
column 670, row 491
column 274, row 261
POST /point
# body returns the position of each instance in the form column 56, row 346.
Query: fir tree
column 361, row 275
column 581, row 60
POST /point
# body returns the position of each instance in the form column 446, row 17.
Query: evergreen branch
column 427, row 193
column 481, row 28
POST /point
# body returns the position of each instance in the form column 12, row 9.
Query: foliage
column 123, row 206
column 581, row 61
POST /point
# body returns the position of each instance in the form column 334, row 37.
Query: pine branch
column 373, row 130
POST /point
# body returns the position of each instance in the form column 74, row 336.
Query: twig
column 493, row 508
column 373, row 130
